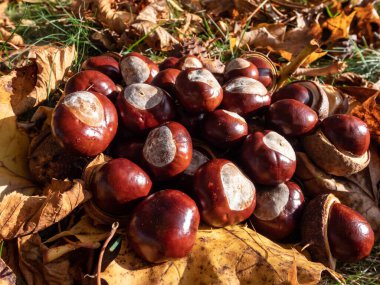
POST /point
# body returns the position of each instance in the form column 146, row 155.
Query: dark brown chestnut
column 118, row 185
column 245, row 96
column 142, row 107
column 241, row 67
column 268, row 158
column 169, row 62
column 168, row 150
column 165, row 79
column 294, row 91
column 188, row 61
column 164, row 226
column 224, row 129
column 84, row 122
column 130, row 149
column 198, row 91
column 92, row 80
column 192, row 122
column 267, row 70
column 291, row 117
column 136, row 68
column 278, row 210
column 225, row 195
column 104, row 64
column 347, row 133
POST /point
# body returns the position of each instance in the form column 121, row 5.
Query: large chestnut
column 84, row 122
column 92, row 80
column 291, row 117
column 267, row 69
column 142, row 107
column 165, row 79
column 268, row 158
column 278, row 210
column 225, row 195
column 164, row 226
column 168, row 150
column 118, row 185
column 105, row 64
column 188, row 61
column 198, row 91
column 245, row 96
column 241, row 67
column 169, row 62
column 136, row 68
column 223, row 128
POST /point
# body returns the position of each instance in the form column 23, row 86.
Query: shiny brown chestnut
column 169, row 62
column 136, row 68
column 225, row 195
column 347, row 133
column 84, row 122
column 142, row 107
column 165, row 79
column 241, row 67
column 278, row 210
column 164, row 226
column 168, row 150
column 291, row 117
column 92, row 80
column 224, row 129
column 268, row 158
column 245, row 96
column 188, row 61
column 104, row 64
column 118, row 185
column 130, row 149
column 267, row 70
column 198, row 91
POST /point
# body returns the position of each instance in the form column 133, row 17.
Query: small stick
column 334, row 68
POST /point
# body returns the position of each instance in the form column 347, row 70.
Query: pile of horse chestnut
column 188, row 146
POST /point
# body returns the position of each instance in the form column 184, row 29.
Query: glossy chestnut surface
column 118, row 185
column 130, row 149
column 241, row 67
column 104, row 64
column 351, row 238
column 291, row 117
column 169, row 62
column 165, row 79
column 163, row 227
column 188, row 61
column 92, row 80
column 198, row 91
column 137, row 68
column 225, row 195
column 266, row 68
column 142, row 107
column 168, row 150
column 84, row 122
column 347, row 133
column 295, row 91
column 223, row 128
column 245, row 96
column 268, row 158
column 278, row 210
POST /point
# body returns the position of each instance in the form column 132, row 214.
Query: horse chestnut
column 241, row 67
column 165, row 80
column 267, row 69
column 169, row 62
column 104, row 64
column 136, row 68
column 188, row 61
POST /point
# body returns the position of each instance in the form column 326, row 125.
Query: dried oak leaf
column 22, row 215
column 232, row 255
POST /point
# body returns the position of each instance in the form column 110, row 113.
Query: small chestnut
column 278, row 210
column 136, row 68
column 268, row 158
column 165, row 79
column 294, row 91
column 169, row 62
column 267, row 69
column 198, row 91
column 245, row 96
column 84, row 122
column 291, row 117
column 188, row 61
column 104, row 64
column 225, row 195
column 118, row 185
column 168, row 150
column 142, row 107
column 241, row 67
column 163, row 227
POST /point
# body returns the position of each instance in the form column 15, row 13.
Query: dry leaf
column 368, row 23
column 10, row 37
column 7, row 277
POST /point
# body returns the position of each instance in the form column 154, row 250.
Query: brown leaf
column 7, row 277
column 368, row 23
column 21, row 215
column 10, row 37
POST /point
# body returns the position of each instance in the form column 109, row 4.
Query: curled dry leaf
column 368, row 23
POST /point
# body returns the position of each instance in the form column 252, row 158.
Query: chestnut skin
column 241, row 67
column 142, row 107
column 265, row 67
column 224, row 129
column 347, row 133
column 130, row 149
column 169, row 62
column 245, row 96
column 104, row 64
column 268, row 158
column 291, row 117
column 294, row 90
column 165, row 79
column 168, row 150
column 137, row 68
column 198, row 91
column 118, row 185
column 84, row 122
column 92, row 80
column 351, row 237
column 225, row 195
column 278, row 210
column 163, row 227
column 188, row 61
